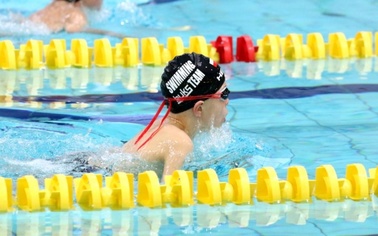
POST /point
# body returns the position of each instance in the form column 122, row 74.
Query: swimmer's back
column 61, row 15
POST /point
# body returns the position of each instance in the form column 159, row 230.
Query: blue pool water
column 281, row 113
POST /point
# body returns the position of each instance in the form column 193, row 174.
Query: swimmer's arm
column 92, row 4
column 104, row 32
column 76, row 21
column 72, row 27
column 175, row 159
column 171, row 164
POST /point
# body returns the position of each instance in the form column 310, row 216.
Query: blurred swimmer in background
column 70, row 16
column 79, row 16
column 67, row 15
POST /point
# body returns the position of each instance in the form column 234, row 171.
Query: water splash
column 39, row 168
column 222, row 150
column 39, row 148
column 15, row 24
column 44, row 149
column 129, row 13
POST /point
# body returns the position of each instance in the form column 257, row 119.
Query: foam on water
column 37, row 148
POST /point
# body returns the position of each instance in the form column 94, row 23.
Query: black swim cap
column 190, row 75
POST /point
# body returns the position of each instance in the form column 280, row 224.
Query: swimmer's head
column 189, row 76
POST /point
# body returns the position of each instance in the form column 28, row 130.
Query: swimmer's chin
column 224, row 121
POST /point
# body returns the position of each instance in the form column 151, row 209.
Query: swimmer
column 196, row 95
column 67, row 15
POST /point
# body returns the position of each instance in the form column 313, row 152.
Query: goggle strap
column 152, row 122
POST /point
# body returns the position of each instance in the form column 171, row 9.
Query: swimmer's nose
column 227, row 101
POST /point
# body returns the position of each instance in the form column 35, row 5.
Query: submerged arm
column 175, row 157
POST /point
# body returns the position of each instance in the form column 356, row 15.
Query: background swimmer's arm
column 92, row 4
column 76, row 22
column 104, row 32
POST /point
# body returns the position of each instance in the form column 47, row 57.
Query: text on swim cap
column 220, row 75
column 193, row 82
column 179, row 77
column 181, row 74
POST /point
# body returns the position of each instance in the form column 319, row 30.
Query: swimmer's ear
column 197, row 109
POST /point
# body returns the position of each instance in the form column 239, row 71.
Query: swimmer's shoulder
column 175, row 137
column 167, row 139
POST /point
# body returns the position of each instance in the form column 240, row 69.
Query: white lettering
column 176, row 80
column 193, row 82
column 196, row 78
column 184, row 92
column 220, row 75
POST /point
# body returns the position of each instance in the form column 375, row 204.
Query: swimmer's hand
column 181, row 28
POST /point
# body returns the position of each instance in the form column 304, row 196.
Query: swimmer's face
column 215, row 109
